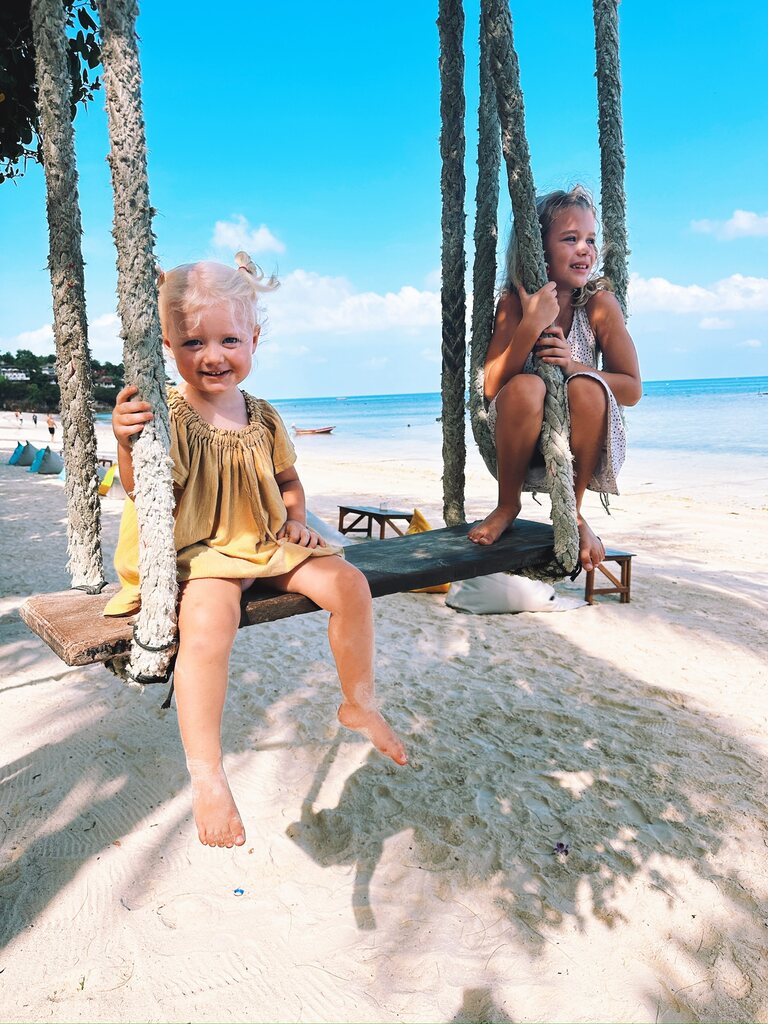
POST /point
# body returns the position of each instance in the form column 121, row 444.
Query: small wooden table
column 367, row 516
column 619, row 586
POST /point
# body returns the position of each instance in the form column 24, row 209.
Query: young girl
column 240, row 516
column 567, row 322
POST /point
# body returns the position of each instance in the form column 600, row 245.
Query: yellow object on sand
column 106, row 483
column 420, row 525
column 228, row 504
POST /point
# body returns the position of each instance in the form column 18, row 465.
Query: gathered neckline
column 253, row 430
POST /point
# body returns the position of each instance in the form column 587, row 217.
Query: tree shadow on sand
column 637, row 782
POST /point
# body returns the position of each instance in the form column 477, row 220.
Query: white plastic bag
column 500, row 592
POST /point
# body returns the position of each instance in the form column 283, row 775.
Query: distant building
column 49, row 370
column 11, row 373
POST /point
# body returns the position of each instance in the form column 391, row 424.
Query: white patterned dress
column 584, row 350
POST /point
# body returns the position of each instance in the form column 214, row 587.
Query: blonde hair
column 547, row 208
column 192, row 288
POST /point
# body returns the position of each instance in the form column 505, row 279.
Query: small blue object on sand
column 239, row 892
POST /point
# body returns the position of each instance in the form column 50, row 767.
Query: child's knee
column 586, row 395
column 524, row 393
column 351, row 589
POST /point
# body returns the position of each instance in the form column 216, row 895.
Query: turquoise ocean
column 727, row 416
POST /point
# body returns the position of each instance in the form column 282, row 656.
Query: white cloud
column 737, row 292
column 743, row 224
column 714, row 323
column 375, row 363
column 39, row 341
column 237, row 233
column 312, row 303
column 750, row 343
column 434, row 279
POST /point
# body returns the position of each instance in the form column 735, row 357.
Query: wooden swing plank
column 72, row 624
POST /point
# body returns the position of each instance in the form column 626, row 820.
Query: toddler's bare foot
column 591, row 550
column 216, row 816
column 372, row 724
column 492, row 527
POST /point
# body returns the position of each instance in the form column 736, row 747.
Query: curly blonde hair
column 192, row 288
column 547, row 208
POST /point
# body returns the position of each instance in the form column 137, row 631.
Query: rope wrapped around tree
column 70, row 326
column 486, row 239
column 453, row 293
column 555, row 444
column 612, row 160
column 155, row 630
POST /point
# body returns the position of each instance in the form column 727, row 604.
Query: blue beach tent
column 26, row 456
column 16, row 453
column 47, row 463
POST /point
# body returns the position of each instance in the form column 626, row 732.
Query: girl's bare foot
column 216, row 816
column 372, row 724
column 591, row 550
column 492, row 527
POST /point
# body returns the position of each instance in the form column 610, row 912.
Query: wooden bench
column 368, row 515
column 72, row 624
column 621, row 586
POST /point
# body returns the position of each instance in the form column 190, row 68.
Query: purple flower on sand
column 562, row 848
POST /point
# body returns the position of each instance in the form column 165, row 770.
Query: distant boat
column 312, row 430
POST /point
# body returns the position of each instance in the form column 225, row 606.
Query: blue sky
column 308, row 134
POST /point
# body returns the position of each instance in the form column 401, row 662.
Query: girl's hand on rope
column 553, row 348
column 298, row 533
column 129, row 417
column 541, row 308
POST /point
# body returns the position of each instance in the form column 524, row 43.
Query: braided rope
column 612, row 161
column 70, row 326
column 555, row 429
column 484, row 267
column 452, row 294
column 142, row 351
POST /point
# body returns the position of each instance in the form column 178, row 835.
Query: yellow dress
column 228, row 504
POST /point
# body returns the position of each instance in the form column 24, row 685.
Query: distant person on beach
column 34, row 418
column 51, row 425
column 567, row 323
column 240, row 517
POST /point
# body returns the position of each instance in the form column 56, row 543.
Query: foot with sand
column 591, row 548
column 371, row 723
column 492, row 527
column 216, row 816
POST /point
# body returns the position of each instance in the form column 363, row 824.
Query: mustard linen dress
column 228, row 504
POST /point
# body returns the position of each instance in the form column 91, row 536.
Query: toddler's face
column 570, row 247
column 215, row 353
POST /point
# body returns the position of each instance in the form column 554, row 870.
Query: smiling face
column 570, row 247
column 212, row 352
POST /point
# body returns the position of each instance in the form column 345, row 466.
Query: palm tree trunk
column 65, row 262
column 155, row 629
column 452, row 295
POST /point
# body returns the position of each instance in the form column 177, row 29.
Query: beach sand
column 635, row 734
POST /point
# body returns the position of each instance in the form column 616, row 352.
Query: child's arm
column 620, row 371
column 520, row 320
column 295, row 528
column 128, row 420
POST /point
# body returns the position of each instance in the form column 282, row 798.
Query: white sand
column 637, row 734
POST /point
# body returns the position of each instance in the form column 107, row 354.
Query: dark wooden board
column 72, row 624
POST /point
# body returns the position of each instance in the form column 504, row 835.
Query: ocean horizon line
column 432, row 394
